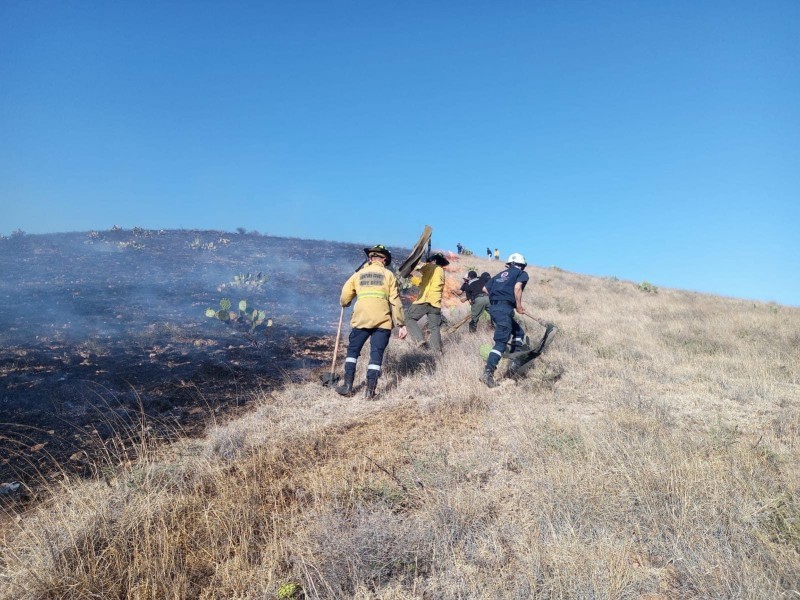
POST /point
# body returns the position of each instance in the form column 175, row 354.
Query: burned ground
column 104, row 331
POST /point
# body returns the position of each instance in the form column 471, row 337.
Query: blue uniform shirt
column 501, row 286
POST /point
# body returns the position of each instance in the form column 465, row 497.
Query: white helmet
column 517, row 259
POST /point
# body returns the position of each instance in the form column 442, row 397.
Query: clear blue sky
column 654, row 141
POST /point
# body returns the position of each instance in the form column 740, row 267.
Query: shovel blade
column 330, row 379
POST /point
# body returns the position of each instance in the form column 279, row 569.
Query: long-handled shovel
column 330, row 379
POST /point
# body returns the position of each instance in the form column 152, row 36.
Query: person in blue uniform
column 505, row 296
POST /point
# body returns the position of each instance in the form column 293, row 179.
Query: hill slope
column 652, row 452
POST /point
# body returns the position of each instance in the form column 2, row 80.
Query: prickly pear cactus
column 247, row 281
column 246, row 317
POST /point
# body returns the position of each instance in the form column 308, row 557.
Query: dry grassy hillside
column 652, row 452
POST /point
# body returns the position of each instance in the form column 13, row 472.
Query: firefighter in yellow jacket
column 429, row 303
column 378, row 309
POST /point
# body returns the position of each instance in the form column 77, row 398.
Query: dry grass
column 652, row 452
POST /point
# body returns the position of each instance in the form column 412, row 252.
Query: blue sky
column 654, row 141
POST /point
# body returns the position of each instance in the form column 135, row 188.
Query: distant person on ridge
column 489, row 253
column 476, row 296
column 459, row 247
column 496, row 254
column 431, row 290
column 505, row 295
column 378, row 309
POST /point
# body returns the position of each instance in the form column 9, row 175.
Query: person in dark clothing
column 489, row 253
column 459, row 247
column 505, row 295
column 476, row 296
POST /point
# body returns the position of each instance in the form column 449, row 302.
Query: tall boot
column 346, row 389
column 369, row 391
column 488, row 377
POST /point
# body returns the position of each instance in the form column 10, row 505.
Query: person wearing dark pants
column 505, row 295
column 429, row 303
column 476, row 296
column 378, row 340
column 378, row 309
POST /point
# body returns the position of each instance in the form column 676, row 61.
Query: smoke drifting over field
column 72, row 286
column 95, row 324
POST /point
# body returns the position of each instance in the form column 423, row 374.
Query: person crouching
column 378, row 309
column 476, row 296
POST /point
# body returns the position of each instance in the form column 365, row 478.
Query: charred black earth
column 103, row 330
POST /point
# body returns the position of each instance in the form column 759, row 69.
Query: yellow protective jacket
column 378, row 298
column 431, row 287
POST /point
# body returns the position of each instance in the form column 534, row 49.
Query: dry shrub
column 365, row 547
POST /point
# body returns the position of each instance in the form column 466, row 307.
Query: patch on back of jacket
column 370, row 279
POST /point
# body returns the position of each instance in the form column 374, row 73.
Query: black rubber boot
column 488, row 377
column 346, row 389
column 473, row 327
column 369, row 391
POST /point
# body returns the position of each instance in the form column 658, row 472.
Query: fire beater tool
column 520, row 361
column 416, row 253
column 331, row 379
